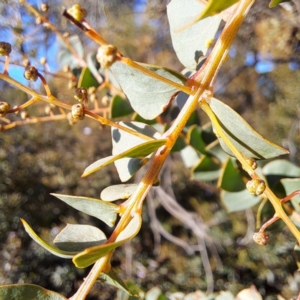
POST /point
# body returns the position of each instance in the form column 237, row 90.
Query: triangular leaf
column 216, row 150
column 44, row 244
column 274, row 3
column 120, row 107
column 104, row 211
column 195, row 139
column 237, row 201
column 149, row 97
column 231, row 179
column 113, row 279
column 214, row 7
column 207, row 169
column 192, row 43
column 118, row 191
column 91, row 255
column 179, row 145
column 242, row 135
column 27, row 292
column 76, row 238
column 87, row 79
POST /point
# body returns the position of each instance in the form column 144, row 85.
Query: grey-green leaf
column 76, row 238
column 44, row 244
column 242, row 135
column 91, row 255
column 281, row 167
column 189, row 156
column 118, row 192
column 27, row 292
column 124, row 141
column 113, row 279
column 65, row 57
column 149, row 97
column 190, row 43
column 125, row 162
column 237, row 201
column 104, row 211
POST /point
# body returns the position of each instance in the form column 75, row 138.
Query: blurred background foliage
column 260, row 80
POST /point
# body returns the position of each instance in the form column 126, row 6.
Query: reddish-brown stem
column 268, row 223
column 5, row 71
column 45, row 84
column 290, row 196
column 276, row 217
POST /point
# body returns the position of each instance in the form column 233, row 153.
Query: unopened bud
column 256, row 186
column 105, row 101
column 252, row 163
column 38, row 20
column 66, row 69
column 80, row 94
column 77, row 12
column 4, row 108
column 43, row 60
column 24, row 115
column 5, row 48
column 93, row 97
column 31, row 73
column 107, row 55
column 261, row 238
column 44, row 7
column 26, row 62
column 47, row 110
column 77, row 111
column 91, row 90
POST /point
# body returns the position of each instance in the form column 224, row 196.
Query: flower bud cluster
column 5, row 48
column 4, row 108
column 77, row 112
column 107, row 55
column 81, row 94
column 252, row 163
column 256, row 186
column 31, row 73
column 261, row 238
column 77, row 12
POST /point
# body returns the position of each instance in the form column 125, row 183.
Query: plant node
column 256, row 186
column 4, row 108
column 5, row 48
column 31, row 73
column 77, row 12
column 107, row 55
